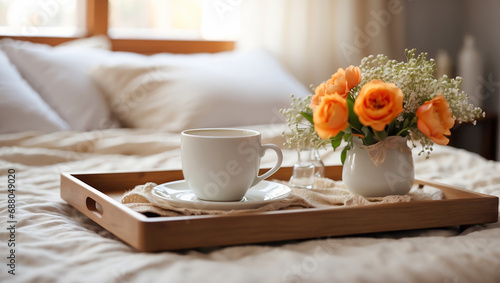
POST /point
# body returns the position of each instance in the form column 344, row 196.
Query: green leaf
column 343, row 154
column 354, row 131
column 308, row 116
column 368, row 139
column 381, row 135
column 405, row 124
column 365, row 131
column 391, row 129
column 346, row 137
column 350, row 98
column 337, row 140
column 353, row 118
column 414, row 121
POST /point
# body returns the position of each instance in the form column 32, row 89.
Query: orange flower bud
column 352, row 77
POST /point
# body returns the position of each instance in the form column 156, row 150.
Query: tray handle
column 100, row 209
column 103, row 209
column 94, row 206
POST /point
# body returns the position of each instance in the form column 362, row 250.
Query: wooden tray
column 98, row 197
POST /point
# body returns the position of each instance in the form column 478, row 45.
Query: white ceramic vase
column 394, row 175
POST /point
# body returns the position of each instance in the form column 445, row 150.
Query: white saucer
column 177, row 193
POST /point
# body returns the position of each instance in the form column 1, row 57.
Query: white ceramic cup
column 221, row 164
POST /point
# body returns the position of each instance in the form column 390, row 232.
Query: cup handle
column 275, row 168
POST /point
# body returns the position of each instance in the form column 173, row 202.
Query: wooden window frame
column 97, row 24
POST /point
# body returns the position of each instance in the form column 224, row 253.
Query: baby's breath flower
column 301, row 134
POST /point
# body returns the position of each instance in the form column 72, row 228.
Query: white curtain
column 313, row 38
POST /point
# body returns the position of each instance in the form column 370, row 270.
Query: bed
column 80, row 109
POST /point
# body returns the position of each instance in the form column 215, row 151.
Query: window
column 177, row 19
column 61, row 18
column 122, row 19
column 155, row 19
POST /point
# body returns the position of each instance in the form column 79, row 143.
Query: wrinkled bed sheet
column 56, row 243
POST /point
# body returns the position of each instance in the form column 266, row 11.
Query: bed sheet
column 56, row 243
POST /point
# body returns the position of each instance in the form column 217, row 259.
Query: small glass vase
column 308, row 167
column 387, row 171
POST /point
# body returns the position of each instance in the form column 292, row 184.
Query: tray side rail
column 102, row 209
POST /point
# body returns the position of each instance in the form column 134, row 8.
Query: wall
column 482, row 20
column 434, row 25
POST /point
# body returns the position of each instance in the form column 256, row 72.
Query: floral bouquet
column 378, row 100
column 376, row 108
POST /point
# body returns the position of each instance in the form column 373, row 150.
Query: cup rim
column 246, row 133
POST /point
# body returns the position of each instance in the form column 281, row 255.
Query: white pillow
column 218, row 90
column 21, row 108
column 59, row 75
column 96, row 41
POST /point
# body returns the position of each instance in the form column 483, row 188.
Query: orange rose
column 336, row 84
column 330, row 117
column 435, row 120
column 343, row 81
column 319, row 92
column 378, row 103
column 340, row 83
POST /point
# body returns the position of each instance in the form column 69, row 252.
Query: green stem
column 408, row 127
column 357, row 130
column 402, row 130
column 377, row 135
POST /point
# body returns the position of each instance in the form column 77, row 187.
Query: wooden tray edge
column 142, row 232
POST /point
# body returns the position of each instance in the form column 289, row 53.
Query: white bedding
column 56, row 243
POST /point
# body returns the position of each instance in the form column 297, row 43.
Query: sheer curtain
column 313, row 38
